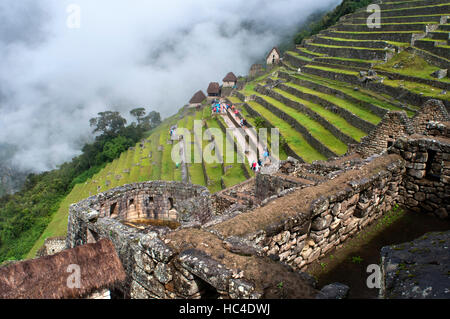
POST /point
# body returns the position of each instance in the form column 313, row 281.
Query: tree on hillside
column 108, row 123
column 152, row 120
column 138, row 113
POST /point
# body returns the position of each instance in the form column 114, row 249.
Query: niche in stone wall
column 91, row 236
column 113, row 210
column 432, row 169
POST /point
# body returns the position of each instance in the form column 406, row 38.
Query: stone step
column 439, row 35
column 351, row 52
column 443, row 9
column 424, row 27
column 352, row 43
column 405, row 36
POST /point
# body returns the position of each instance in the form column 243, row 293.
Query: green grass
column 298, row 56
column 362, row 95
column 314, row 128
column 343, row 47
column 234, row 99
column 339, row 122
column 355, row 109
column 334, row 70
column 427, row 90
column 409, row 64
column 294, row 139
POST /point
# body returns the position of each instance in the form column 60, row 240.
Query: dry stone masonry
column 176, row 240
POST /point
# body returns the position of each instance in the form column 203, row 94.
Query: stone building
column 229, row 80
column 49, row 277
column 213, row 89
column 52, row 246
column 197, row 100
column 274, row 56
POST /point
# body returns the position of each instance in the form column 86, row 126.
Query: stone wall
column 176, row 201
column 379, row 111
column 52, row 245
column 433, row 110
column 267, row 185
column 426, row 185
column 319, row 218
column 394, row 124
column 185, row 263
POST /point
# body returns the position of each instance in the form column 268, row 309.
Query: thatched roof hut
column 213, row 89
column 198, row 98
column 48, row 277
column 230, row 77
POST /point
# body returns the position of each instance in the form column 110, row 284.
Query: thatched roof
column 198, row 97
column 230, row 77
column 276, row 49
column 47, row 277
column 213, row 88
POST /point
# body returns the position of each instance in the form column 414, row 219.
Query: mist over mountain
column 153, row 54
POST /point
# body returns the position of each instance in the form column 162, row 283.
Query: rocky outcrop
column 418, row 269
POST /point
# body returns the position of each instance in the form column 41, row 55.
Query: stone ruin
column 253, row 240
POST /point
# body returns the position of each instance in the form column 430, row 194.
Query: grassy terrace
column 234, row 99
column 252, row 121
column 355, row 109
column 195, row 169
column 297, row 55
column 233, row 174
column 295, row 140
column 339, row 122
column 314, row 128
column 213, row 170
column 419, row 7
column 302, row 49
column 348, row 72
column 399, row 44
column 411, row 65
column 414, row 87
column 344, row 47
column 374, row 32
column 427, row 90
column 362, row 95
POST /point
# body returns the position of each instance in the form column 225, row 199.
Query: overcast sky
column 152, row 54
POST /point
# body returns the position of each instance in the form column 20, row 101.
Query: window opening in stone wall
column 171, row 202
column 131, row 202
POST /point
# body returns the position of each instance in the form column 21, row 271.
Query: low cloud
column 126, row 54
